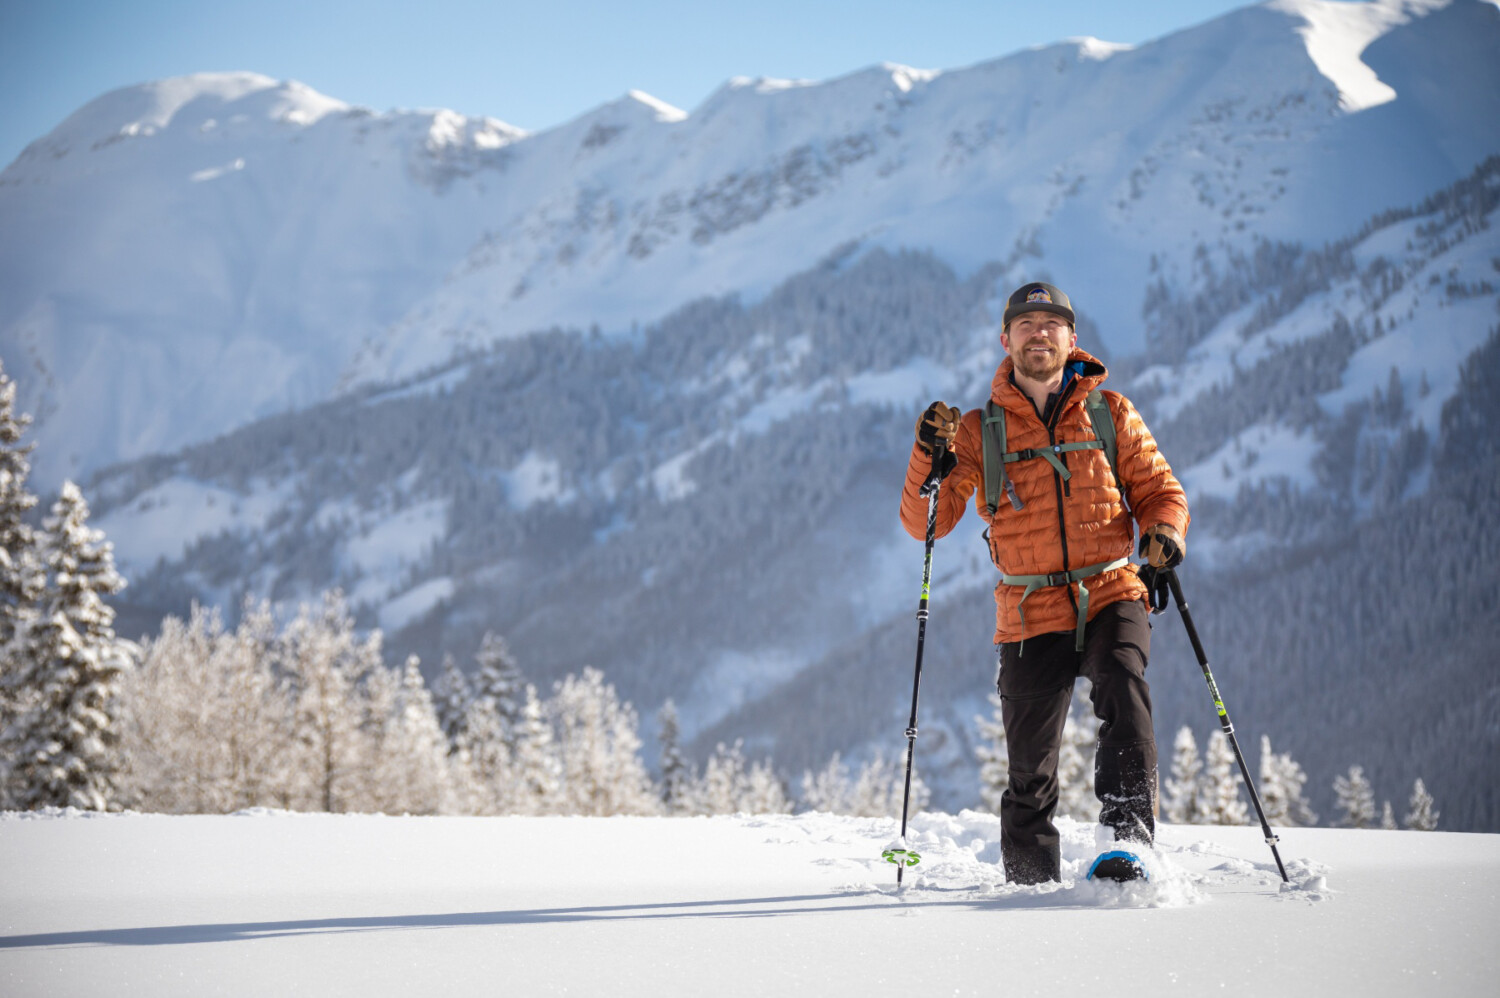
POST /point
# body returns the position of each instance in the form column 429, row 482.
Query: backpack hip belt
column 1077, row 575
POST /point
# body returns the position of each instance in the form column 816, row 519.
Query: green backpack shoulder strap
column 992, row 434
column 1104, row 428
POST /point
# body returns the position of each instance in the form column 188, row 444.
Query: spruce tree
column 64, row 734
column 499, row 683
column 538, row 770
column 1387, row 817
column 1181, row 803
column 994, row 759
column 1281, row 783
column 1420, row 816
column 452, row 696
column 1356, row 798
column 676, row 778
column 1219, row 800
column 828, row 789
column 22, row 579
column 599, row 747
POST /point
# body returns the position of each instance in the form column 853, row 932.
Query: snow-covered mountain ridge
column 1292, row 276
column 195, row 253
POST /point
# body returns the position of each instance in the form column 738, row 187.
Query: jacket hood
column 1087, row 368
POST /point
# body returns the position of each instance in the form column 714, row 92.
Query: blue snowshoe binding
column 1118, row 865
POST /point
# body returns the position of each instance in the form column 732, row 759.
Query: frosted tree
column 829, row 789
column 1281, row 782
column 22, row 576
column 1181, row 798
column 880, row 787
column 498, row 683
column 1420, row 815
column 327, row 666
column 676, row 777
column 538, row 770
column 721, row 787
column 764, row 792
column 1075, row 767
column 1218, row 799
column 452, row 695
column 1355, row 798
column 599, row 748
column 63, row 736
column 208, row 728
column 486, row 759
column 1387, row 817
column 994, row 759
column 410, row 771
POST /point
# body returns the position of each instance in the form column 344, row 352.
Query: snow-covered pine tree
column 486, row 759
column 499, row 682
column 207, row 727
column 1387, row 817
column 452, row 695
column 410, row 769
column 994, row 759
column 327, row 666
column 22, row 575
column 65, row 732
column 1420, row 816
column 1280, row 785
column 880, row 786
column 829, row 789
column 764, row 792
column 1180, row 805
column 1075, row 767
column 599, row 746
column 537, row 767
column 1218, row 800
column 721, row 789
column 676, row 777
column 1355, row 797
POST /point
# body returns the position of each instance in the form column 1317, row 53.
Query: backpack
column 992, row 433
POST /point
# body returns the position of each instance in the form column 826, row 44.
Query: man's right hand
column 938, row 427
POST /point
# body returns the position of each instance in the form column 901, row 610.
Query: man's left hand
column 1162, row 546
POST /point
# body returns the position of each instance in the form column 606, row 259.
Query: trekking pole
column 1224, row 722
column 898, row 853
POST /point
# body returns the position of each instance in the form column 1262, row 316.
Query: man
column 1069, row 602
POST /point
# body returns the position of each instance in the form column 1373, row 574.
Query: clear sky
column 534, row 64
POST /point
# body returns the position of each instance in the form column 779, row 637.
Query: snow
column 302, row 246
column 165, row 520
column 1337, row 32
column 411, row 605
column 267, row 902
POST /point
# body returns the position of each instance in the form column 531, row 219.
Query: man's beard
column 1039, row 368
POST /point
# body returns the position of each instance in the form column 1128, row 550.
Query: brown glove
column 1162, row 546
column 938, row 426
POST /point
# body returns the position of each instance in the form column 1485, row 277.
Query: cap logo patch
column 1039, row 294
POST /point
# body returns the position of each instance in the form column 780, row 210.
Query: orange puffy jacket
column 1062, row 525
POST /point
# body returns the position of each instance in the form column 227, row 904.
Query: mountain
column 192, row 254
column 637, row 392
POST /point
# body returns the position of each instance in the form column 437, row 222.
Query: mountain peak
column 1337, row 33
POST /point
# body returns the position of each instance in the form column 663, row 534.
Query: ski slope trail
column 270, row 902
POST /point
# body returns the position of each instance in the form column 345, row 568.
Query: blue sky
column 534, row 64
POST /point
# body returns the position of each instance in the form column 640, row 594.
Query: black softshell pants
column 1036, row 686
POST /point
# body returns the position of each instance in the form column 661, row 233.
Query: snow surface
column 268, row 902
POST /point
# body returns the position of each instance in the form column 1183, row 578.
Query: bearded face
column 1038, row 344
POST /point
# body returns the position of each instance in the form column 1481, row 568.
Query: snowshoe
column 1118, row 865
